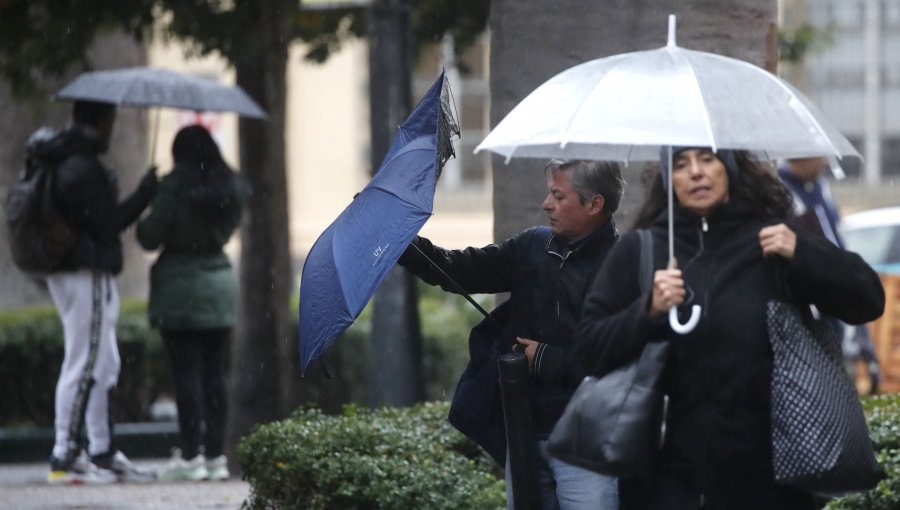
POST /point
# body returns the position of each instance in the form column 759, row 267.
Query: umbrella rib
column 800, row 111
column 398, row 197
column 706, row 117
column 580, row 109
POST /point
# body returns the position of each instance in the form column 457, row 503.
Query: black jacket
column 87, row 195
column 718, row 376
column 546, row 300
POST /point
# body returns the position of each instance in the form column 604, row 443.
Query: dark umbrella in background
column 155, row 87
column 354, row 254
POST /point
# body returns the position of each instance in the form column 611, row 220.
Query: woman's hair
column 92, row 112
column 208, row 180
column 757, row 185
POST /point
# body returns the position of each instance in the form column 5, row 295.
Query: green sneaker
column 218, row 468
column 179, row 469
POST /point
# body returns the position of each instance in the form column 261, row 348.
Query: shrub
column 883, row 415
column 384, row 459
column 31, row 353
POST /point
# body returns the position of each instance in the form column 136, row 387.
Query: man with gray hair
column 547, row 273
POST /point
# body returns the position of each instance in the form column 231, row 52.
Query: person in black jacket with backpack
column 546, row 298
column 83, row 288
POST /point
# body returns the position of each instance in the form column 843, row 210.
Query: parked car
column 875, row 235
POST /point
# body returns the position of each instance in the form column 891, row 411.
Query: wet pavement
column 23, row 486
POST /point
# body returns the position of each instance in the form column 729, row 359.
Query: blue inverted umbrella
column 354, row 254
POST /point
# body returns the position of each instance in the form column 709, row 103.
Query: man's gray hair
column 592, row 178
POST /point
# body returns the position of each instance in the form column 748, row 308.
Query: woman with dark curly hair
column 731, row 227
column 193, row 294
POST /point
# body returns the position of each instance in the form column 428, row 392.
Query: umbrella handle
column 683, row 329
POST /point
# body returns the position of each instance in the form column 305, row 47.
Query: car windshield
column 876, row 245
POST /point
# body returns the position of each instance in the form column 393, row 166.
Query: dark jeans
column 200, row 366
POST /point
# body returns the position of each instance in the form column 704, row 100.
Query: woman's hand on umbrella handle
column 778, row 240
column 668, row 291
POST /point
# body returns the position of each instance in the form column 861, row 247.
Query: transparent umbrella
column 626, row 107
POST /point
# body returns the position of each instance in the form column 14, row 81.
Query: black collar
column 599, row 237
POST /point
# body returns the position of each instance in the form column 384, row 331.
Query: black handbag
column 476, row 409
column 820, row 441
column 613, row 424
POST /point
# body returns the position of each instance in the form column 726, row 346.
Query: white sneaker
column 218, row 468
column 180, row 469
column 81, row 471
column 123, row 468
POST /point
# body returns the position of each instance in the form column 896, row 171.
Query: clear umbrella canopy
column 627, row 107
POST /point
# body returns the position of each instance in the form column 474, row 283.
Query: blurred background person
column 193, row 295
column 816, row 210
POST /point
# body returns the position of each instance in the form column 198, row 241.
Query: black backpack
column 38, row 234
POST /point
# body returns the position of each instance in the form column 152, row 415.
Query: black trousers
column 199, row 368
column 666, row 492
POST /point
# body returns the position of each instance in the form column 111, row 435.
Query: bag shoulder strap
column 645, row 277
column 537, row 244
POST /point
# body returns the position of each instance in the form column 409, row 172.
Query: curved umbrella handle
column 683, row 329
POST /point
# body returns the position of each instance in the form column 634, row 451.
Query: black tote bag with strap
column 613, row 424
column 820, row 440
column 476, row 409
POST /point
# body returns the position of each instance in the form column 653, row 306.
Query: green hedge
column 385, row 459
column 883, row 415
column 31, row 353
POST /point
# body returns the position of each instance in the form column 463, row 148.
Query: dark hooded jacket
column 545, row 300
column 87, row 195
column 192, row 284
column 718, row 376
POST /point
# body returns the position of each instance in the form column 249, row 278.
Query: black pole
column 520, row 449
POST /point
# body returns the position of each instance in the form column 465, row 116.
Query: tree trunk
column 264, row 334
column 526, row 50
column 395, row 370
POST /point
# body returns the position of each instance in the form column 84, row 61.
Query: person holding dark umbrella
column 733, row 246
column 83, row 288
column 546, row 297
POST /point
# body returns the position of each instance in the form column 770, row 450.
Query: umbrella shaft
column 456, row 286
column 671, row 214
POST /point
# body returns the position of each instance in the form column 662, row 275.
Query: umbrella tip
column 671, row 41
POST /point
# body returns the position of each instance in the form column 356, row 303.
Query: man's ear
column 597, row 204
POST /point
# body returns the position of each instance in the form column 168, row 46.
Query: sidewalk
column 24, row 486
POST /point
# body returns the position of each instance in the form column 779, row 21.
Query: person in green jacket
column 193, row 294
